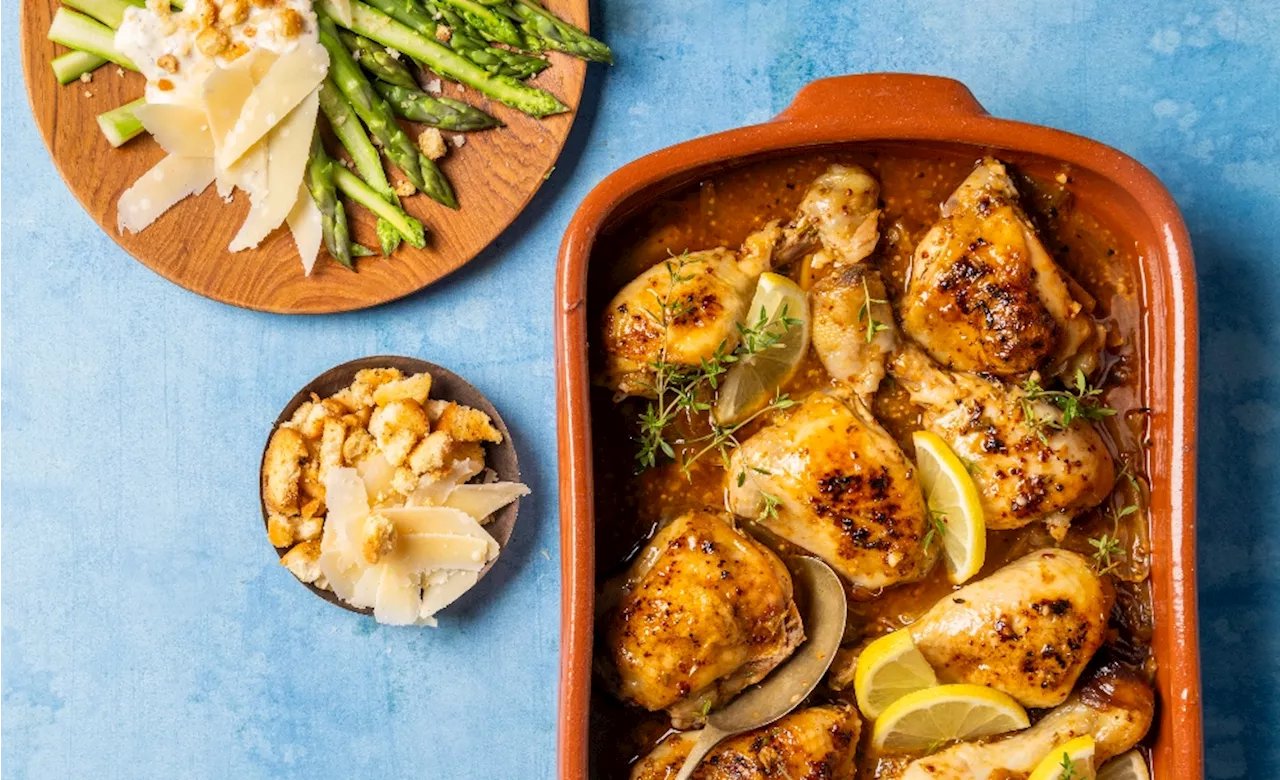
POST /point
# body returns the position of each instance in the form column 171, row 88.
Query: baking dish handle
column 914, row 98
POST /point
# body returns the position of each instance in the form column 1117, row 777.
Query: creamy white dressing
column 148, row 34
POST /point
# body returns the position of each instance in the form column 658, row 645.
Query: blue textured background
column 147, row 630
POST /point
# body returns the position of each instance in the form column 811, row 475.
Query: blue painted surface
column 149, row 633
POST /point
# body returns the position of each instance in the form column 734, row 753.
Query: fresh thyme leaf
column 706, row 707
column 937, row 527
column 770, row 511
column 1080, row 402
column 873, row 326
column 1068, row 768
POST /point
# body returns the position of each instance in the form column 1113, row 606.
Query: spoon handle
column 707, row 739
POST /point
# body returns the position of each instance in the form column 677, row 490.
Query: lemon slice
column 1128, row 766
column 954, row 500
column 945, row 713
column 1072, row 760
column 888, row 669
column 754, row 380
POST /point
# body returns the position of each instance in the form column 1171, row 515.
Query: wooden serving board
column 495, row 174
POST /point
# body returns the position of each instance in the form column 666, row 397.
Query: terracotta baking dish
column 936, row 113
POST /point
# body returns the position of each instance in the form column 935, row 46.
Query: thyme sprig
column 1068, row 768
column 679, row 388
column 874, row 326
column 937, row 527
column 1079, row 401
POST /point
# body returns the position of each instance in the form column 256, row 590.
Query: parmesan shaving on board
column 160, row 188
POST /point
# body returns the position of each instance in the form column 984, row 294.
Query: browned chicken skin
column 1029, row 629
column 844, row 491
column 817, row 743
column 704, row 612
column 1025, row 470
column 681, row 311
column 984, row 295
column 1114, row 706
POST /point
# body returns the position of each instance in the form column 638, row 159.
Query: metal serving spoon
column 789, row 684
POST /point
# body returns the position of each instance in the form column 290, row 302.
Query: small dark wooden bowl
column 445, row 385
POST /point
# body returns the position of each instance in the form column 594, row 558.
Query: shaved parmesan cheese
column 171, row 180
column 426, row 552
column 305, row 224
column 289, row 81
column 399, row 598
column 435, row 492
column 224, row 93
column 288, row 146
column 179, row 130
column 481, row 501
column 442, row 589
column 377, row 473
column 439, row 520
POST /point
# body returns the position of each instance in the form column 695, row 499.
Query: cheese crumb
column 433, row 86
column 404, row 188
column 443, row 34
column 86, row 77
column 459, row 141
column 431, row 142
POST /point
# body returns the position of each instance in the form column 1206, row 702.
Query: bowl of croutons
column 389, row 486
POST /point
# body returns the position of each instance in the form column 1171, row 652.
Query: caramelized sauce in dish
column 631, row 503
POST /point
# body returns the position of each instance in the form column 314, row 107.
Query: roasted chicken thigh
column 703, row 612
column 984, row 295
column 830, row 480
column 818, row 742
column 1026, row 464
column 682, row 311
column 1029, row 629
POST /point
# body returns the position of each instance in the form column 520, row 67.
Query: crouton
column 282, row 471
column 303, row 561
column 404, row 481
column 335, row 434
column 466, row 424
column 415, row 388
column 358, row 445
column 431, row 143
column 434, row 409
column 403, row 414
column 279, row 530
column 396, row 447
column 439, row 451
column 378, row 535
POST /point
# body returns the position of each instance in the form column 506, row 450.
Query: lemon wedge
column 888, row 669
column 753, row 381
column 1073, row 759
column 1127, row 766
column 946, row 713
column 953, row 499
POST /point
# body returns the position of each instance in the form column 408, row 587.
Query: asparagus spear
column 77, row 31
column 371, row 108
column 488, row 22
column 388, row 237
column 558, row 34
column 346, row 125
column 121, row 124
column 72, row 65
column 109, row 12
column 333, row 217
column 353, row 187
column 447, row 114
column 378, row 60
column 378, row 26
column 494, row 60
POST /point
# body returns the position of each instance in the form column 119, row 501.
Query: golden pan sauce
column 721, row 211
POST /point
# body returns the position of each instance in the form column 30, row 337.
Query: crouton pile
column 384, row 424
